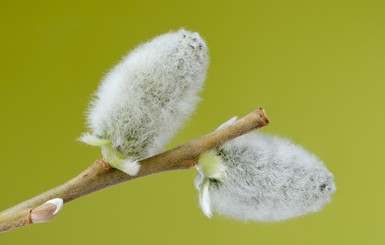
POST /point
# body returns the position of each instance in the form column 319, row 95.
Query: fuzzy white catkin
column 145, row 99
column 267, row 179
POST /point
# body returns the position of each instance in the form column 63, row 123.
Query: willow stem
column 100, row 175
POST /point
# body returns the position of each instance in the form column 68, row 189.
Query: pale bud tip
column 58, row 202
column 46, row 211
column 228, row 123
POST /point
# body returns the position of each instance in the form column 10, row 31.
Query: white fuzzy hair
column 145, row 99
column 268, row 179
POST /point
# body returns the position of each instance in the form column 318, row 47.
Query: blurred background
column 317, row 67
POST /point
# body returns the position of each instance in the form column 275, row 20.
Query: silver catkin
column 145, row 99
column 267, row 179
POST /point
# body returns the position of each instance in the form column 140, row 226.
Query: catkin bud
column 145, row 99
column 267, row 179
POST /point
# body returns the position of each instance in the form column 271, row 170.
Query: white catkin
column 267, row 179
column 145, row 99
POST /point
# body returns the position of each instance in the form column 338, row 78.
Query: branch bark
column 100, row 175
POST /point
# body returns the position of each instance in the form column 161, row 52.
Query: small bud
column 267, row 179
column 146, row 98
column 46, row 211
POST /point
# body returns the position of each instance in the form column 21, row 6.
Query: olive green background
column 317, row 67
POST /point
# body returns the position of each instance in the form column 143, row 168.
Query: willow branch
column 100, row 175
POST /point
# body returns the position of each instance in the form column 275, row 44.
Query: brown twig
column 99, row 175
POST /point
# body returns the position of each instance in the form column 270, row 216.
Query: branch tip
column 262, row 115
